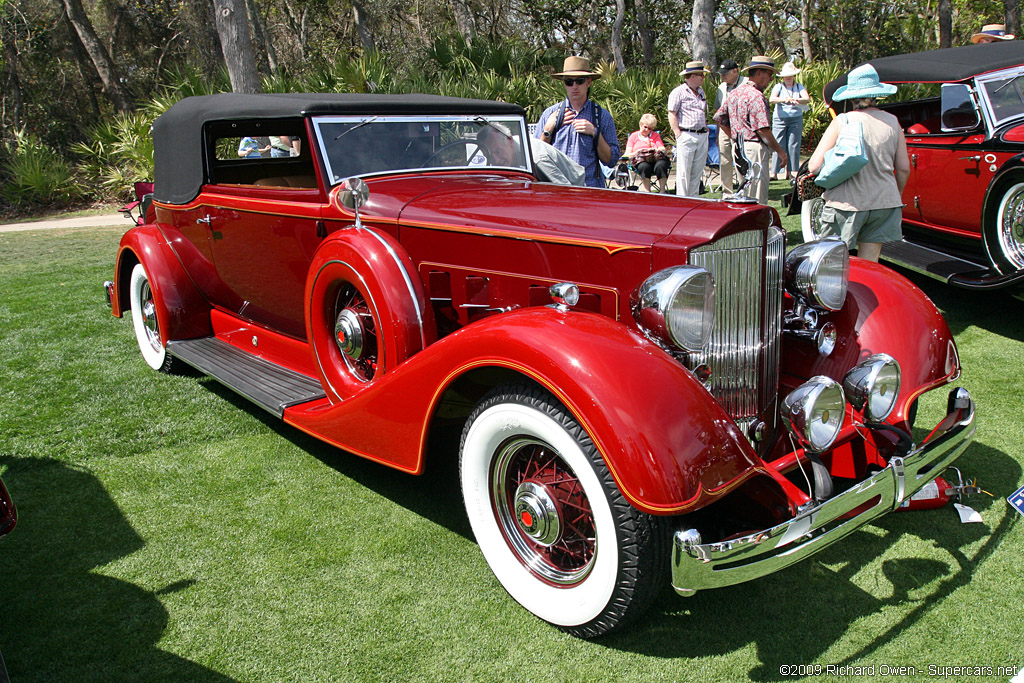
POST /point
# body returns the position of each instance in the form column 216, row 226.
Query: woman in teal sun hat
column 866, row 210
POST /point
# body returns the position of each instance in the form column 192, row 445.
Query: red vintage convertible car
column 962, row 110
column 648, row 388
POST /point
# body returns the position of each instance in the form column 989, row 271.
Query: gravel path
column 80, row 222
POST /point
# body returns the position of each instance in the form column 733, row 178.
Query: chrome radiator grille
column 743, row 353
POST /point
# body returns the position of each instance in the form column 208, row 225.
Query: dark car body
column 640, row 381
column 963, row 215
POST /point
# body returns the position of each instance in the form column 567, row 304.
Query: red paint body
column 457, row 267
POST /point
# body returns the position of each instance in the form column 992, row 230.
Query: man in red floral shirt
column 744, row 117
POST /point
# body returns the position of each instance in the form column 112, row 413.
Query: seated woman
column 647, row 153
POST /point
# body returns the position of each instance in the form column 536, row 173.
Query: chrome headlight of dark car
column 677, row 305
column 814, row 412
column 818, row 273
column 873, row 385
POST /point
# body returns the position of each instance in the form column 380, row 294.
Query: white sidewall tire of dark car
column 141, row 298
column 624, row 573
column 810, row 218
column 1006, row 243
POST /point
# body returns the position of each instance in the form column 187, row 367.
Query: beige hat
column 761, row 62
column 789, row 69
column 576, row 66
column 696, row 67
column 994, row 32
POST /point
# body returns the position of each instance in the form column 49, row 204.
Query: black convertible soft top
column 941, row 66
column 178, row 132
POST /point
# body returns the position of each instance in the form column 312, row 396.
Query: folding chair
column 711, row 180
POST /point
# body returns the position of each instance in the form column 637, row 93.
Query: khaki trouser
column 757, row 157
column 725, row 165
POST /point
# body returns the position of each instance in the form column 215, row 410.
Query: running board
column 269, row 386
column 930, row 262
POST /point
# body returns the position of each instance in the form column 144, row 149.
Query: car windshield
column 1006, row 96
column 365, row 145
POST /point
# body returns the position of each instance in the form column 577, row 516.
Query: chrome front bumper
column 697, row 566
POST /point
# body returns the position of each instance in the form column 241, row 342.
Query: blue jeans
column 789, row 133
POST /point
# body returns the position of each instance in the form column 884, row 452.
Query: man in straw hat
column 992, row 33
column 729, row 71
column 577, row 126
column 744, row 118
column 688, row 116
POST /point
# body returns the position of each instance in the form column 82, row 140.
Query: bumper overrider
column 697, row 566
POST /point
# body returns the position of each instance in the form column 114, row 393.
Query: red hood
column 523, row 208
column 503, row 205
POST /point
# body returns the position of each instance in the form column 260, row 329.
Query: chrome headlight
column 814, row 412
column 873, row 385
column 677, row 305
column 818, row 273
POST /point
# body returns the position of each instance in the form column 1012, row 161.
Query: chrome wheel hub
column 537, row 514
column 348, row 333
column 149, row 319
column 1011, row 226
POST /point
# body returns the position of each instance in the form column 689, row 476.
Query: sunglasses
column 569, row 82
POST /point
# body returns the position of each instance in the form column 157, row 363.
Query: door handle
column 976, row 157
column 206, row 220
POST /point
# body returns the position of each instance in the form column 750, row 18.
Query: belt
column 694, row 130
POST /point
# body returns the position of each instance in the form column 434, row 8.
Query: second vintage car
column 962, row 110
column 647, row 388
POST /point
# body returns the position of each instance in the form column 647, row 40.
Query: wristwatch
column 545, row 134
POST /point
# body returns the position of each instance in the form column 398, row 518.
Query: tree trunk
column 702, row 33
column 945, row 23
column 97, row 54
column 643, row 28
column 805, row 29
column 463, row 21
column 12, row 84
column 1012, row 19
column 260, row 38
column 362, row 22
column 620, row 19
column 233, row 29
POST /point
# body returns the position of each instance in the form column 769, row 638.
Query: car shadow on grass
column 798, row 614
column 434, row 495
column 63, row 621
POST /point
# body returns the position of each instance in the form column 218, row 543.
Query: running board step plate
column 269, row 386
column 927, row 261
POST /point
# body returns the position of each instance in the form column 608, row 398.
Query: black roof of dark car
column 941, row 66
column 178, row 132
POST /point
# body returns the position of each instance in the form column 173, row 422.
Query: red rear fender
column 669, row 446
column 181, row 311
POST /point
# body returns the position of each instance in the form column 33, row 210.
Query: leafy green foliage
column 118, row 154
column 36, row 175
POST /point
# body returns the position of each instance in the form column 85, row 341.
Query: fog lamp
column 873, row 385
column 814, row 411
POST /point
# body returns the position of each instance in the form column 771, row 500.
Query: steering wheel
column 480, row 147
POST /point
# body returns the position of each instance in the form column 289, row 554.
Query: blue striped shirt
column 582, row 148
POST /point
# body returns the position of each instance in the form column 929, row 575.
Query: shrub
column 118, row 154
column 36, row 175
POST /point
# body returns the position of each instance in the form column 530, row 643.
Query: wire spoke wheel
column 543, row 511
column 355, row 333
column 1010, row 226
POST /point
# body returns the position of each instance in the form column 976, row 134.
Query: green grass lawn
column 171, row 531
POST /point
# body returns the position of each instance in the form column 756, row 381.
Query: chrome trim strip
column 408, row 283
column 697, row 566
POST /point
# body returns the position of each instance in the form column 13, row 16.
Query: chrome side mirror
column 354, row 193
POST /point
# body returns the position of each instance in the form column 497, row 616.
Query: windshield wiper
column 358, row 125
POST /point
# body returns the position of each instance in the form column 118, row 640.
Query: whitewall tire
column 549, row 519
column 810, row 218
column 144, row 321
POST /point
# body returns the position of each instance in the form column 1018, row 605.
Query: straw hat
column 863, row 82
column 789, row 69
column 696, row 67
column 761, row 62
column 993, row 31
column 576, row 66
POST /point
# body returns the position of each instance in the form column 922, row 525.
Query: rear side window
column 259, row 152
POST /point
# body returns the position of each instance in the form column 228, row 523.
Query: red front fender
column 181, row 311
column 668, row 444
column 884, row 313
